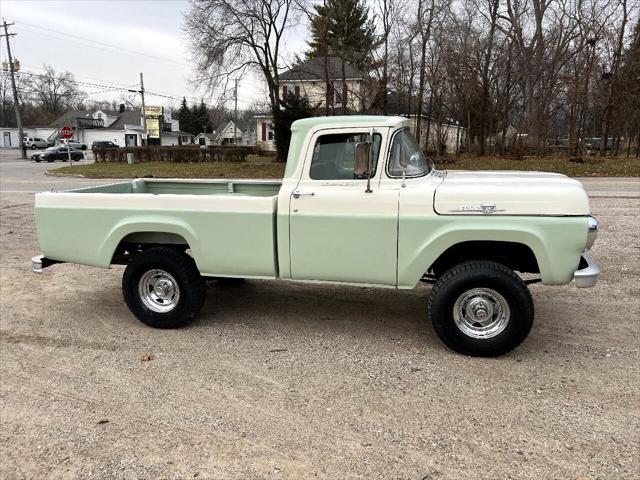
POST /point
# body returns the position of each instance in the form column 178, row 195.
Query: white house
column 265, row 132
column 224, row 134
column 10, row 135
column 122, row 127
column 312, row 80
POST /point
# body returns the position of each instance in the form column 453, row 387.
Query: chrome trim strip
column 592, row 232
column 587, row 277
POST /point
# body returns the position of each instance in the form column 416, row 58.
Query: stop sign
column 66, row 132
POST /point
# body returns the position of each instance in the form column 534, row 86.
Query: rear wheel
column 33, row 147
column 163, row 288
column 481, row 308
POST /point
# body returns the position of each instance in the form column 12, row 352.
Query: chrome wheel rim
column 481, row 313
column 159, row 291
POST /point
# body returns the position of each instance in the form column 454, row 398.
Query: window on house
column 270, row 131
column 334, row 156
column 337, row 92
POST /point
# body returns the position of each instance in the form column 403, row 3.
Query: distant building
column 316, row 77
column 318, row 80
column 225, row 133
column 122, row 127
column 265, row 132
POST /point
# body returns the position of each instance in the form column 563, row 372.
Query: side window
column 406, row 156
column 334, row 156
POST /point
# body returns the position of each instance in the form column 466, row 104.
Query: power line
column 98, row 44
column 110, row 88
column 86, row 77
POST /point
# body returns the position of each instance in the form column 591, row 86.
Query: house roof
column 127, row 117
column 314, row 69
column 210, row 136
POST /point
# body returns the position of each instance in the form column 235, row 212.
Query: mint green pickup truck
column 359, row 204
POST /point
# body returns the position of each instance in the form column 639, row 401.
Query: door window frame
column 390, row 152
column 306, row 168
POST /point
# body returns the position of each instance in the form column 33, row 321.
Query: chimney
column 121, row 107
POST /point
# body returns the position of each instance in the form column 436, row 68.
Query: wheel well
column 135, row 243
column 516, row 256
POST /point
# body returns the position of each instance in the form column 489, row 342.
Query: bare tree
column 387, row 12
column 53, row 93
column 231, row 37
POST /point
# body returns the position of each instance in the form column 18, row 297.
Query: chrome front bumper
column 587, row 274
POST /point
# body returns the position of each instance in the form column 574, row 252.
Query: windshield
column 406, row 153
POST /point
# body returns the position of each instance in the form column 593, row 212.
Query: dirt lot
column 282, row 380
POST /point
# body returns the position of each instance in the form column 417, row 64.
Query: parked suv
column 35, row 142
column 73, row 143
column 104, row 144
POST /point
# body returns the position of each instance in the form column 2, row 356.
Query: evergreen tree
column 293, row 108
column 343, row 28
column 184, row 115
column 203, row 119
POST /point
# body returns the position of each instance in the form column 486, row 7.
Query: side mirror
column 362, row 159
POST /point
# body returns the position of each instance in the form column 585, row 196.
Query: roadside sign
column 66, row 132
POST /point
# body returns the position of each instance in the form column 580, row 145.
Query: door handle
column 298, row 194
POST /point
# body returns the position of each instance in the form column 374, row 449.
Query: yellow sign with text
column 150, row 111
column 153, row 128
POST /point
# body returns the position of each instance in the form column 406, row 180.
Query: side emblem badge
column 482, row 208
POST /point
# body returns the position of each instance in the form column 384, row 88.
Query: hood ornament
column 482, row 208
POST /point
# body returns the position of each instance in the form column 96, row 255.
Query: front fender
column 556, row 242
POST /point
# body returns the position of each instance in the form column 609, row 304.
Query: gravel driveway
column 284, row 380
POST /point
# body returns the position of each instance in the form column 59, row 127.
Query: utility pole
column 16, row 104
column 235, row 113
column 145, row 139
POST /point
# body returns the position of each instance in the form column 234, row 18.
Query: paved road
column 17, row 175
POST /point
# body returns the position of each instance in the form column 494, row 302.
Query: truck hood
column 509, row 193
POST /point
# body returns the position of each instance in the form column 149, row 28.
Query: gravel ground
column 284, row 380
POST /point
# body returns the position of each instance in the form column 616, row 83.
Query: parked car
column 73, row 143
column 359, row 204
column 104, row 144
column 58, row 152
column 35, row 142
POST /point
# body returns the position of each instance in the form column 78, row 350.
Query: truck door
column 338, row 231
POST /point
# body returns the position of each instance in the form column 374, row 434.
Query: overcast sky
column 111, row 42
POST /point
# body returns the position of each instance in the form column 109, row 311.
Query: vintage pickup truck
column 359, row 204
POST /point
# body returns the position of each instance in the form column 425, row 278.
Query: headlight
column 592, row 234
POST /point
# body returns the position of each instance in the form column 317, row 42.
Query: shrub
column 175, row 154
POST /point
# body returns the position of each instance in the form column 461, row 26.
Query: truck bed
column 229, row 225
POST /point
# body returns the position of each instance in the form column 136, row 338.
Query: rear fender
column 144, row 224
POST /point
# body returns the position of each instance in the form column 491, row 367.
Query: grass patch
column 592, row 166
column 250, row 169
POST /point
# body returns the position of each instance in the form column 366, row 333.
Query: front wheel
column 481, row 308
column 163, row 288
